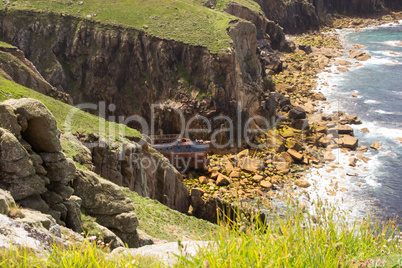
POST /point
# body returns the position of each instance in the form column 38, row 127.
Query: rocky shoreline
column 303, row 139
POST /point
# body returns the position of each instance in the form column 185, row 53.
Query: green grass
column 88, row 254
column 299, row 239
column 163, row 223
column 187, row 21
column 80, row 122
column 2, row 44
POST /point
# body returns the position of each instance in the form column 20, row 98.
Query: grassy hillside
column 81, row 122
column 188, row 21
column 2, row 44
column 161, row 222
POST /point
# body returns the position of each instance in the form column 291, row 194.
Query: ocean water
column 374, row 187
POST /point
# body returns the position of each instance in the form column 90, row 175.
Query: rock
column 257, row 178
column 297, row 113
column 350, row 142
column 235, row 174
column 295, row 155
column 251, row 164
column 354, row 95
column 353, row 162
column 329, row 156
column 243, row 153
column 203, row 180
column 376, row 145
column 126, row 222
column 62, row 171
column 42, row 133
column 266, row 184
column 365, row 130
column 358, row 55
column 284, row 156
column 399, row 139
column 288, row 133
column 222, row 180
column 8, row 120
column 302, row 183
column 73, row 217
column 196, row 192
column 109, row 237
column 99, row 196
column 6, row 202
column 306, row 48
column 343, row 69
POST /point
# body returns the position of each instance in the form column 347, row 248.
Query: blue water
column 378, row 83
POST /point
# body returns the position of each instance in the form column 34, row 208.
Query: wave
column 391, row 43
column 383, row 112
column 371, row 102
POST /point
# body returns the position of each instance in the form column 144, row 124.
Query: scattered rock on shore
column 376, row 145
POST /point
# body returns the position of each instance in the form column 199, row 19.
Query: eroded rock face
column 106, row 202
column 32, row 167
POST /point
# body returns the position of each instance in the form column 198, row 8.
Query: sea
column 374, row 188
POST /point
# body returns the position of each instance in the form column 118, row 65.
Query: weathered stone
column 99, row 196
column 257, row 178
column 243, row 153
column 62, row 171
column 8, row 120
column 109, row 237
column 376, row 145
column 266, row 184
column 203, row 180
column 196, row 192
column 235, row 174
column 251, row 164
column 329, row 156
column 24, row 187
column 295, row 155
column 6, row 202
column 35, row 202
column 222, row 180
column 52, row 198
column 297, row 113
column 365, row 130
column 73, row 217
column 302, row 183
column 61, row 189
column 41, row 133
column 126, row 222
column 353, row 162
column 52, row 157
column 350, row 142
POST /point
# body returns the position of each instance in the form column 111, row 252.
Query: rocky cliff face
column 132, row 70
column 302, row 16
column 38, row 176
column 15, row 67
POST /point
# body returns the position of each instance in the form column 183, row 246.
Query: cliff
column 298, row 16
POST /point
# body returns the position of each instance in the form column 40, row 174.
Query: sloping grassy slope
column 161, row 222
column 188, row 21
column 81, row 122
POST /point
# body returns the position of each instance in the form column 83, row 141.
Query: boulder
column 8, row 120
column 302, row 183
column 251, row 164
column 222, row 180
column 41, row 132
column 266, row 184
column 350, row 142
column 295, row 155
column 73, row 217
column 99, row 196
column 329, row 156
column 235, row 174
column 257, row 178
column 126, row 222
column 376, row 145
column 203, row 180
column 109, row 237
column 6, row 202
column 297, row 113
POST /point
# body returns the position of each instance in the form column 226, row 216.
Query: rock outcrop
column 17, row 68
column 37, row 175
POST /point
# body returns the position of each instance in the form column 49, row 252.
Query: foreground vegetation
column 187, row 21
column 296, row 239
column 163, row 223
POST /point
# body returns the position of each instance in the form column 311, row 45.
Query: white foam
column 383, row 112
column 391, row 43
column 371, row 102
